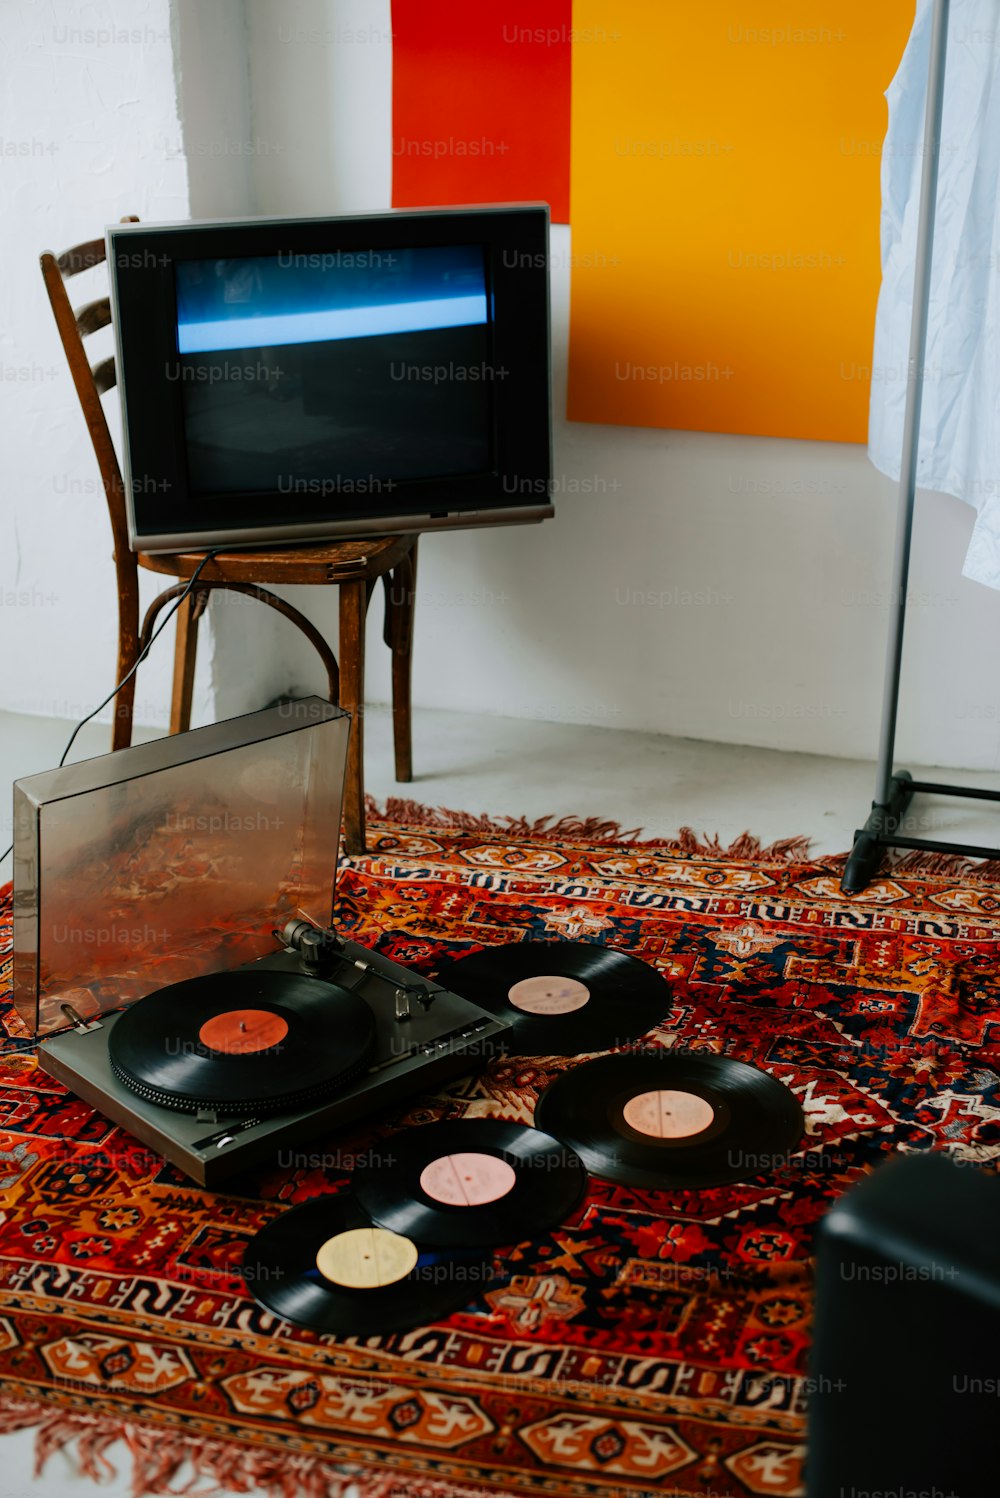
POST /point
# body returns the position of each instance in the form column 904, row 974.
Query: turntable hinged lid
column 172, row 859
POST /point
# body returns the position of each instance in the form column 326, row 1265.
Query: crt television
column 296, row 379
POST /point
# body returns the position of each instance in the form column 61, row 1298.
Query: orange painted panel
column 725, row 190
column 481, row 102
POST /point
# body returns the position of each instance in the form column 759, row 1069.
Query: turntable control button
column 403, row 1005
column 311, row 948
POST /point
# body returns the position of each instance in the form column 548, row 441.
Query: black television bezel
column 165, row 515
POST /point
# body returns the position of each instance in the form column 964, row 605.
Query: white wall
column 221, row 145
column 726, row 588
column 730, row 588
column 89, row 132
column 213, row 87
column 319, row 78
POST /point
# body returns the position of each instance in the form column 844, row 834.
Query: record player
column 174, row 955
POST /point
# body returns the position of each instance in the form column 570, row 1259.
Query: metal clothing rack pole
column 895, row 791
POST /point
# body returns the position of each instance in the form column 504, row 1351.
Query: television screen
column 301, row 371
column 305, row 378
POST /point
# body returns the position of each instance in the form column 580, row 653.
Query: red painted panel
column 481, row 102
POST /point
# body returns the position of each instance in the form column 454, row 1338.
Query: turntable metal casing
column 449, row 1038
column 181, row 857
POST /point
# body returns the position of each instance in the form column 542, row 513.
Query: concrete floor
column 508, row 766
column 504, row 766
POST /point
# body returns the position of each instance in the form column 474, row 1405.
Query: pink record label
column 549, row 995
column 467, row 1180
column 668, row 1115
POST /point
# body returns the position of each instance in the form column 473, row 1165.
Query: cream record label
column 327, row 1266
column 366, row 1258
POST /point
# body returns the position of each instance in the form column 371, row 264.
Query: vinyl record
column 252, row 1041
column 325, row 1265
column 474, row 1182
column 674, row 1120
column 562, row 998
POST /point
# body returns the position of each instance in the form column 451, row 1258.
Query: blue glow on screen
column 261, row 301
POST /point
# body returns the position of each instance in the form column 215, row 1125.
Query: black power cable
column 208, row 557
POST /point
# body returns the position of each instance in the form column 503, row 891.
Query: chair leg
column 400, row 600
column 121, row 725
column 185, row 657
column 128, row 649
column 353, row 609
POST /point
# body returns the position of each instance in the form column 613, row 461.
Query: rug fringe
column 159, row 1456
column 594, row 829
column 954, row 865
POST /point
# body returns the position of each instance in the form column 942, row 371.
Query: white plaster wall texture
column 89, row 133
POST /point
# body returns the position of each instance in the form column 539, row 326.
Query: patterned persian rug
column 654, row 1344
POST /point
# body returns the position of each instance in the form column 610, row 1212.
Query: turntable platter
column 256, row 1041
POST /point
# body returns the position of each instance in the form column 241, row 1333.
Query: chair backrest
column 91, row 382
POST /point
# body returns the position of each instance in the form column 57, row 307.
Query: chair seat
column 330, row 562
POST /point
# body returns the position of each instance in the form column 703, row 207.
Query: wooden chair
column 354, row 566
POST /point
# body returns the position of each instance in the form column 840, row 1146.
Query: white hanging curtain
column 960, row 422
